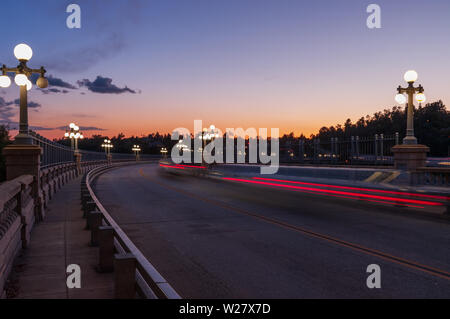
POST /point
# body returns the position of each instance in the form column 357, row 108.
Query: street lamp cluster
column 209, row 134
column 136, row 149
column 164, row 152
column 74, row 134
column 22, row 72
column 410, row 77
column 107, row 146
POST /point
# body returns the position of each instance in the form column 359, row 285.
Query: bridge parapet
column 133, row 273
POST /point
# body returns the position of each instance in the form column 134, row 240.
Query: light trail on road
column 356, row 188
column 326, row 192
column 356, row 247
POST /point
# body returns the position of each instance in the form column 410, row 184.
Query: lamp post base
column 77, row 157
column 23, row 139
column 410, row 140
column 22, row 160
column 410, row 156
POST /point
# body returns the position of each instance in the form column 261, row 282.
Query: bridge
column 149, row 228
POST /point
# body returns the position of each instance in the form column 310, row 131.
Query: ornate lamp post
column 23, row 53
column 164, row 152
column 410, row 77
column 208, row 135
column 22, row 157
column 410, row 155
column 107, row 146
column 74, row 134
column 136, row 149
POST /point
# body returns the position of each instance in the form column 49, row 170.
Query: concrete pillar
column 95, row 221
column 22, row 160
column 124, row 276
column 106, row 249
column 410, row 156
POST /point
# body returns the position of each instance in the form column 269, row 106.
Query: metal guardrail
column 143, row 276
column 54, row 153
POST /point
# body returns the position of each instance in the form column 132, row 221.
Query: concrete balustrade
column 23, row 201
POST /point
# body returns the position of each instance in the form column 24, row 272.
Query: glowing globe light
column 421, row 98
column 72, row 125
column 410, row 76
column 29, row 85
column 400, row 99
column 5, row 81
column 21, row 79
column 23, row 52
column 66, row 134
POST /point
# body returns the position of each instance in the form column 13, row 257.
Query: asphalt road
column 217, row 239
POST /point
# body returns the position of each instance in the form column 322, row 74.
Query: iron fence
column 54, row 153
column 355, row 150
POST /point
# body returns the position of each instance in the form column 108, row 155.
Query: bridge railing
column 133, row 272
column 433, row 176
column 22, row 203
column 54, row 153
column 356, row 150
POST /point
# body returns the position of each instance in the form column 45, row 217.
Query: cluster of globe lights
column 209, row 135
column 136, row 148
column 23, row 53
column 410, row 77
column 107, row 144
column 74, row 133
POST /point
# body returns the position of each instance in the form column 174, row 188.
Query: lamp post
column 136, row 149
column 208, row 135
column 410, row 155
column 107, row 146
column 164, row 152
column 74, row 134
column 23, row 53
column 410, row 77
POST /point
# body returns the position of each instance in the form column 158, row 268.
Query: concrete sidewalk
column 60, row 240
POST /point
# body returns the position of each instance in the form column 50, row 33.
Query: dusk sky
column 296, row 65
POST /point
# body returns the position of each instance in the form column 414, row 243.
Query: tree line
column 431, row 124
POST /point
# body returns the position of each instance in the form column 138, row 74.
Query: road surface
column 218, row 239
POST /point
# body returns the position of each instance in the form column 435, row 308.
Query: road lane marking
column 365, row 250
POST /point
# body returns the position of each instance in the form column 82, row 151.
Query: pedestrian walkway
column 60, row 240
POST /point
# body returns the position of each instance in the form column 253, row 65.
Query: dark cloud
column 104, row 86
column 6, row 111
column 15, row 126
column 51, row 90
column 55, row 85
column 82, row 128
column 82, row 115
column 54, row 81
column 31, row 104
